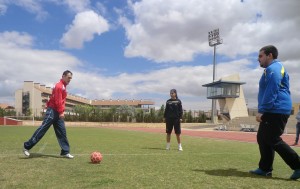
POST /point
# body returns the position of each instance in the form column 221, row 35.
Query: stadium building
column 32, row 99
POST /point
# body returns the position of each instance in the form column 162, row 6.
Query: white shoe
column 69, row 156
column 168, row 147
column 26, row 152
column 180, row 148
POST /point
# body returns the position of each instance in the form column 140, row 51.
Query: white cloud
column 174, row 31
column 188, row 81
column 101, row 8
column 3, row 9
column 32, row 6
column 77, row 5
column 85, row 25
column 20, row 63
column 36, row 7
column 46, row 67
column 162, row 31
column 15, row 39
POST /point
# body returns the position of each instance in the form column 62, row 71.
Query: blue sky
column 120, row 49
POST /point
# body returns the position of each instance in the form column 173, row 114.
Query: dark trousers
column 51, row 117
column 173, row 123
column 297, row 132
column 269, row 141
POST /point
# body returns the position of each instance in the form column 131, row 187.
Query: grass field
column 133, row 159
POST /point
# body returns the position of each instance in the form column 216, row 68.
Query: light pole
column 214, row 40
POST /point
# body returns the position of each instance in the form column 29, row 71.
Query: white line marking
column 149, row 154
column 42, row 148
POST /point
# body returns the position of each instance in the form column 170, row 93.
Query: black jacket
column 173, row 109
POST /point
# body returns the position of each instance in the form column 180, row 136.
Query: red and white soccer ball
column 96, row 157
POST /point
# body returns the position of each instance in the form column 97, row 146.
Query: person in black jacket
column 173, row 117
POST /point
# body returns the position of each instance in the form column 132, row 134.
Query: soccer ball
column 96, row 157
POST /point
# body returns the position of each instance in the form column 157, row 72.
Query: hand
column 180, row 120
column 258, row 117
column 62, row 115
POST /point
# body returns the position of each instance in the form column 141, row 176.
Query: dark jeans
column 297, row 132
column 51, row 117
column 269, row 141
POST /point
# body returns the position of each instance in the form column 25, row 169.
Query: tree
column 112, row 114
column 83, row 112
column 96, row 114
column 2, row 112
column 189, row 117
column 122, row 113
column 126, row 112
column 150, row 117
column 202, row 117
column 139, row 116
column 160, row 114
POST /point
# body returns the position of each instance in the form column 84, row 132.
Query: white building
column 32, row 99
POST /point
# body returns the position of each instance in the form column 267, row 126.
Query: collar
column 63, row 82
column 273, row 61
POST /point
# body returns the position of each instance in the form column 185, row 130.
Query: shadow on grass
column 94, row 163
column 153, row 148
column 235, row 173
column 38, row 155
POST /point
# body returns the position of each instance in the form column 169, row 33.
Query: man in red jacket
column 54, row 116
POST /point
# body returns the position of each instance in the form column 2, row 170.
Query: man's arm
column 59, row 100
column 272, row 82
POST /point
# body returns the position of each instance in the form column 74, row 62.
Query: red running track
column 225, row 135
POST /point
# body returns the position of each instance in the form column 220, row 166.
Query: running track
column 225, row 135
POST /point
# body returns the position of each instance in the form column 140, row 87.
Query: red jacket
column 58, row 98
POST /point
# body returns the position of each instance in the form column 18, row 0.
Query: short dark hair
column 270, row 49
column 67, row 72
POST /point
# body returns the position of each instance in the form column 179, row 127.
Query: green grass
column 133, row 159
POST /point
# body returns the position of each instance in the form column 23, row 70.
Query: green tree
column 96, row 115
column 139, row 116
column 113, row 114
column 189, row 117
column 2, row 112
column 83, row 112
column 160, row 114
column 150, row 117
column 202, row 117
column 126, row 113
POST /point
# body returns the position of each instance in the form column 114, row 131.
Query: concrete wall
column 236, row 107
column 35, row 95
column 8, row 121
column 18, row 102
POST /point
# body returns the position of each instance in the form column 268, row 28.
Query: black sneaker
column 260, row 172
column 295, row 175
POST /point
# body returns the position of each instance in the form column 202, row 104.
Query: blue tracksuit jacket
column 274, row 94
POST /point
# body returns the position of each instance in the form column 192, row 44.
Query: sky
column 129, row 49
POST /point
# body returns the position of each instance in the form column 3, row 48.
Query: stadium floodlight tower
column 214, row 40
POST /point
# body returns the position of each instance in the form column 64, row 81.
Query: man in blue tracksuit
column 274, row 108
